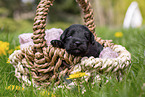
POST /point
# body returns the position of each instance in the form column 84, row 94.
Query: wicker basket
column 42, row 65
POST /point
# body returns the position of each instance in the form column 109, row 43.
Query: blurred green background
column 19, row 14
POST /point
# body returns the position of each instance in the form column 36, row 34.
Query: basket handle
column 40, row 21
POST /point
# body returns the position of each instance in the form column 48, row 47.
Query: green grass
column 130, row 86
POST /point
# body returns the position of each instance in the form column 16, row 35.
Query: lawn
column 132, row 84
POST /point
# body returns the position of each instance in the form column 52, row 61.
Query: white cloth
column 51, row 34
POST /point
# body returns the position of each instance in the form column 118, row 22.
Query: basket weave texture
column 42, row 65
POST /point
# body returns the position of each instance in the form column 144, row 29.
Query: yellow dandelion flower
column 14, row 87
column 118, row 34
column 8, row 61
column 77, row 75
column 45, row 92
column 4, row 46
column 10, row 51
column 17, row 47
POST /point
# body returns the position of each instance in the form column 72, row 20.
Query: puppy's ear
column 64, row 34
column 90, row 37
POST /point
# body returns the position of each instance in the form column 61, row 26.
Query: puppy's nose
column 77, row 43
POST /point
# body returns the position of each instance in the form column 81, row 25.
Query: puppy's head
column 76, row 39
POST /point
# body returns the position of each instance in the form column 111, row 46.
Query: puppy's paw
column 57, row 43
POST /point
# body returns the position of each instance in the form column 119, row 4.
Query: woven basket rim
column 22, row 76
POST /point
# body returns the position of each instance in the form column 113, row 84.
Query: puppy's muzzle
column 77, row 43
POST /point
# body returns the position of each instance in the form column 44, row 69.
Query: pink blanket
column 51, row 34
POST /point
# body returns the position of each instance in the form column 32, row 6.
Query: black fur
column 78, row 40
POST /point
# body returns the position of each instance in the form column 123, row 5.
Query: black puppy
column 78, row 40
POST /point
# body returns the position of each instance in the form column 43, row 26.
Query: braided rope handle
column 40, row 21
column 39, row 48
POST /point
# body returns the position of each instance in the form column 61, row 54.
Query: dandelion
column 45, row 92
column 17, row 47
column 118, row 34
column 10, row 51
column 77, row 75
column 14, row 87
column 8, row 61
column 4, row 46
